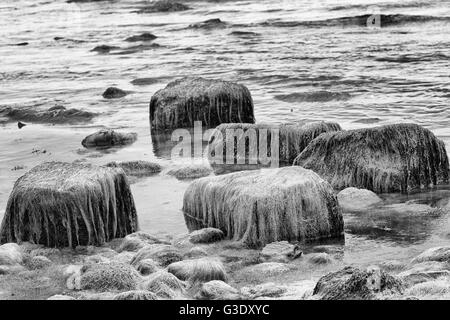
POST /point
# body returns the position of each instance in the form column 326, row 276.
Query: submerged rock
column 108, row 138
column 357, row 199
column 164, row 6
column 389, row 158
column 146, row 36
column 209, row 24
column 217, row 290
column 109, row 276
column 163, row 254
column 206, row 235
column 355, row 284
column 252, row 143
column 54, row 115
column 191, row 172
column 136, row 295
column 137, row 168
column 10, row 254
column 281, row 251
column 114, row 93
column 262, row 206
column 105, row 48
column 144, row 81
column 198, row 270
column 61, row 204
column 440, row 254
column 320, row 258
column 189, row 99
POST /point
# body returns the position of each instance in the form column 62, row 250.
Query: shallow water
column 301, row 60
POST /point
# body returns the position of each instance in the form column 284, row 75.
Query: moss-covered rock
column 250, row 144
column 164, row 284
column 213, row 102
column 161, row 253
column 109, row 276
column 262, row 206
column 198, row 270
column 217, row 290
column 137, row 168
column 109, row 138
column 61, row 204
column 390, row 158
column 355, row 284
column 206, row 235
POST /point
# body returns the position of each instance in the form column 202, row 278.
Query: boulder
column 440, row 254
column 432, row 290
column 146, row 36
column 191, row 172
column 390, row 158
column 164, row 6
column 165, row 285
column 269, row 289
column 354, row 284
column 217, row 290
column 136, row 295
column 114, row 93
column 187, row 100
column 136, row 168
column 103, row 49
column 320, row 258
column 109, row 276
column 10, row 254
column 198, row 270
column 209, row 24
column 147, row 266
column 354, row 199
column 281, row 251
column 54, row 115
column 424, row 271
column 250, row 144
column 206, row 235
column 262, row 206
column 109, row 138
column 161, row 253
column 39, row 262
column 60, row 204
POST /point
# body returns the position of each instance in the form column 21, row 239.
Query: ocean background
column 301, row 60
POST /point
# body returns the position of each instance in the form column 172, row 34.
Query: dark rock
column 114, row 93
column 355, row 284
column 262, row 206
column 196, row 99
column 209, row 24
column 390, row 158
column 105, row 48
column 206, row 235
column 144, row 81
column 108, row 138
column 20, row 125
column 54, row 115
column 61, row 204
column 21, row 44
column 164, row 6
column 142, row 37
column 320, row 258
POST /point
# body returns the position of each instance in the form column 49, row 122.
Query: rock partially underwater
column 54, row 115
column 137, row 168
column 164, row 6
column 262, row 206
column 61, row 204
column 389, row 158
column 213, row 102
column 252, row 144
column 109, row 138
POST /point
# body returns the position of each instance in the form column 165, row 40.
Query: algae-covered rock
column 262, row 206
column 213, row 102
column 137, row 168
column 161, row 253
column 109, row 276
column 198, row 270
column 109, row 138
column 390, row 158
column 60, row 204
column 355, row 284
column 206, row 235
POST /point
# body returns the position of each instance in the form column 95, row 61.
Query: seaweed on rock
column 184, row 101
column 253, row 142
column 390, row 158
column 61, row 204
column 263, row 206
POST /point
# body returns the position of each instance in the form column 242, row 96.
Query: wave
column 359, row 20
